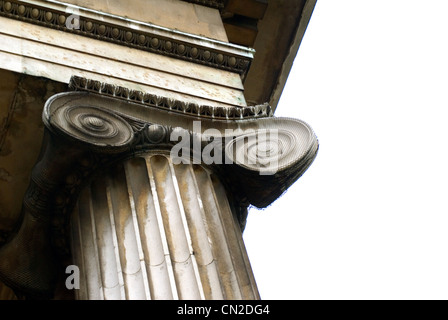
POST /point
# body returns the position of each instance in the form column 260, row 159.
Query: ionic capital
column 256, row 155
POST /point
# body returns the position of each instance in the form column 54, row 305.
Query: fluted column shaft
column 149, row 229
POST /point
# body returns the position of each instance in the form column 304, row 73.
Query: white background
column 369, row 219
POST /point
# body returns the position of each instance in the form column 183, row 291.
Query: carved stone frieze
column 168, row 104
column 156, row 41
column 256, row 155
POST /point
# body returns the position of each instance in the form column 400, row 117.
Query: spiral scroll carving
column 93, row 125
column 268, row 151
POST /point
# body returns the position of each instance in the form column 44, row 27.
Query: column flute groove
column 161, row 230
column 176, row 236
column 221, row 251
column 187, row 229
column 196, row 220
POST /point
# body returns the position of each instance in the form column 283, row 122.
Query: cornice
column 131, row 33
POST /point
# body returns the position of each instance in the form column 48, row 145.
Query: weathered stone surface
column 171, row 234
column 185, row 74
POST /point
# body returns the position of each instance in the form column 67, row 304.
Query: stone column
column 148, row 229
column 148, row 195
